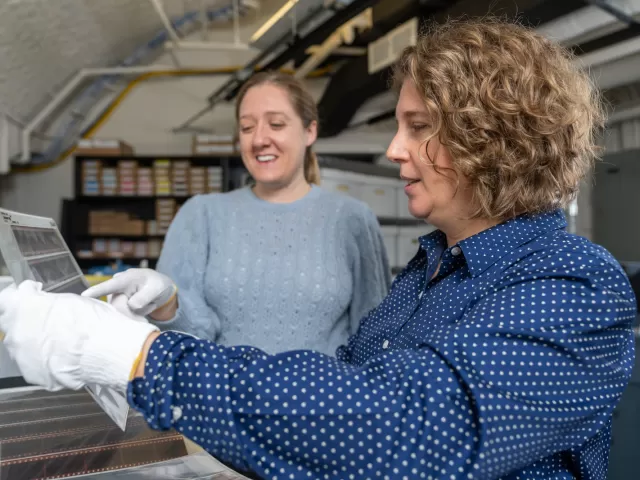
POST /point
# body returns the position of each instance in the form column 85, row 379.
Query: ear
column 312, row 133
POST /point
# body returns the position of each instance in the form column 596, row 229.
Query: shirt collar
column 484, row 249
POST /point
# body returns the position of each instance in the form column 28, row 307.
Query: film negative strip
column 65, row 434
column 38, row 241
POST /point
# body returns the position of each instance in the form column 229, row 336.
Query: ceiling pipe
column 345, row 34
column 176, row 43
column 59, row 98
column 157, row 5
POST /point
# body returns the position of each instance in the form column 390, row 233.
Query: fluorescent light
column 266, row 26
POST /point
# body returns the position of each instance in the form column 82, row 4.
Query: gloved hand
column 120, row 302
column 146, row 289
column 65, row 341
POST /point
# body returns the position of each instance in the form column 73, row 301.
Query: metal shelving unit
column 76, row 211
column 76, row 227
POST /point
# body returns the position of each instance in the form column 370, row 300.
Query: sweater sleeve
column 370, row 266
column 184, row 258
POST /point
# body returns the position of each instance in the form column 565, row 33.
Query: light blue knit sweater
column 275, row 276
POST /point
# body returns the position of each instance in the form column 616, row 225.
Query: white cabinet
column 340, row 181
column 380, row 194
column 390, row 238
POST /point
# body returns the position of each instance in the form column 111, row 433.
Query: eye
column 277, row 125
column 246, row 129
column 418, row 127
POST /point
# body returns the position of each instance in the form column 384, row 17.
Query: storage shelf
column 129, row 198
column 114, row 258
column 153, row 158
column 122, row 236
column 144, row 206
column 96, row 261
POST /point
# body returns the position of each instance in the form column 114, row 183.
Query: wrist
column 138, row 367
column 167, row 311
column 110, row 352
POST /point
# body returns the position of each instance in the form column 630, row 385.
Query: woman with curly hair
column 502, row 348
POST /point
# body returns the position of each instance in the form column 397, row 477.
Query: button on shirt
column 506, row 363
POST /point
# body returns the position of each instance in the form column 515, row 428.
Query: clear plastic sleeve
column 33, row 249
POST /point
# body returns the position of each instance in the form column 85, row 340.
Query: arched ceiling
column 44, row 42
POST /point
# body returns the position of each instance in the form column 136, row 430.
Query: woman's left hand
column 68, row 341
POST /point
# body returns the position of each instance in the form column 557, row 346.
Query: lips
column 410, row 181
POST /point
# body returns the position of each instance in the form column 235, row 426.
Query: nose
column 397, row 153
column 260, row 136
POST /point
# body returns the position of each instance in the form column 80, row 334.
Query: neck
column 465, row 229
column 288, row 194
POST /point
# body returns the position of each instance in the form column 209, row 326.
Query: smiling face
column 273, row 139
column 436, row 192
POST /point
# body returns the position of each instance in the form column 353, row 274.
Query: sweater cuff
column 176, row 319
column 110, row 352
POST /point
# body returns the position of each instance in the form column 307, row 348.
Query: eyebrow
column 270, row 112
column 413, row 113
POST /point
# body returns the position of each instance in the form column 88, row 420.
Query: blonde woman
column 279, row 265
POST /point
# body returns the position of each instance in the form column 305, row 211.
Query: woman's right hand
column 148, row 292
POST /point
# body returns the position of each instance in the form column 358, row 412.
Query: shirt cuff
column 152, row 394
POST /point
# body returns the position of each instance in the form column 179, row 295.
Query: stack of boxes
column 145, row 182
column 107, row 222
column 165, row 178
column 165, row 211
column 171, row 180
column 180, row 178
column 125, row 249
column 214, row 179
column 218, row 144
column 103, row 147
column 91, row 177
column 109, row 181
column 197, row 180
column 127, row 177
column 162, row 177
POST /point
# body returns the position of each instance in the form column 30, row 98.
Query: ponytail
column 311, row 167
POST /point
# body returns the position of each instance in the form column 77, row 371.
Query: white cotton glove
column 146, row 289
column 121, row 303
column 62, row 340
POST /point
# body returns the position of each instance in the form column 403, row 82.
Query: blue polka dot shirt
column 501, row 357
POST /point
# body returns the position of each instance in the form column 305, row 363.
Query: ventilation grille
column 386, row 50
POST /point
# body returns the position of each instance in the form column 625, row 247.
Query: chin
column 421, row 213
column 267, row 177
column 270, row 182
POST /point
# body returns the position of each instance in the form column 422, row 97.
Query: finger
column 114, row 285
column 30, row 286
column 142, row 302
column 121, row 303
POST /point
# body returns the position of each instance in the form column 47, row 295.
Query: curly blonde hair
column 518, row 117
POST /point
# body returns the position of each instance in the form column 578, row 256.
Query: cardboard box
column 215, row 144
column 103, row 147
